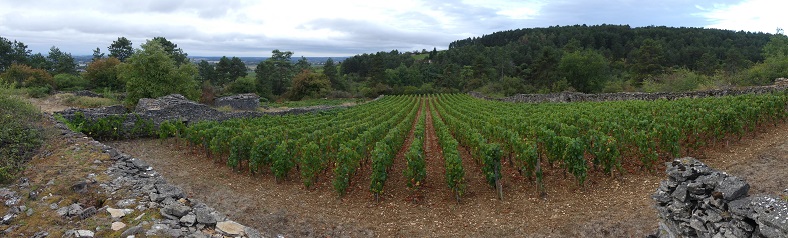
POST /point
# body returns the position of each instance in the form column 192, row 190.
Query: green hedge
column 20, row 137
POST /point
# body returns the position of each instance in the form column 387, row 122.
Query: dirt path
column 760, row 158
column 435, row 184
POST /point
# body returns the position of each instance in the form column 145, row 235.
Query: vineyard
column 475, row 136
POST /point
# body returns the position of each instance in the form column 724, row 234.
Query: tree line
column 159, row 67
column 590, row 59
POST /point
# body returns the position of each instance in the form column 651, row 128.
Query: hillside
column 590, row 59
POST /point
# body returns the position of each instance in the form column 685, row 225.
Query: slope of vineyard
column 616, row 173
column 531, row 139
column 579, row 137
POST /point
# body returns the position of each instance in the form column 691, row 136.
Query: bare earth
column 604, row 207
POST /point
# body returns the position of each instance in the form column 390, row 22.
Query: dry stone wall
column 698, row 201
column 582, row 97
column 248, row 101
column 176, row 107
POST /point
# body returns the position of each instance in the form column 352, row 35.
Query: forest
column 589, row 59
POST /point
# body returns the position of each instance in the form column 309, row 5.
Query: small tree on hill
column 151, row 72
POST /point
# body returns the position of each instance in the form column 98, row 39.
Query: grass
column 314, row 102
column 20, row 137
column 72, row 100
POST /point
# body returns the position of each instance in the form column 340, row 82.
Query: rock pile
column 135, row 201
column 781, row 82
column 248, row 101
column 698, row 201
column 182, row 216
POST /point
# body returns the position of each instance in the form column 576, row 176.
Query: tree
column 121, row 49
column 172, row 50
column 308, row 84
column 12, row 53
column 206, row 72
column 330, row 70
column 302, row 65
column 97, row 54
column 274, row 74
column 103, row 73
column 61, row 63
column 39, row 61
column 151, row 72
column 229, row 70
column 585, row 70
column 223, row 71
column 649, row 59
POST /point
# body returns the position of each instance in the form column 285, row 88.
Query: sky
column 345, row 27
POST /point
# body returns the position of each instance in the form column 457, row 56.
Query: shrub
column 19, row 136
column 70, row 82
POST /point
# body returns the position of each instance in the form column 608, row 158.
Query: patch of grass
column 315, row 102
column 225, row 109
column 20, row 136
column 72, row 100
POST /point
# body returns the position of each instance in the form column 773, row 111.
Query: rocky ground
column 78, row 187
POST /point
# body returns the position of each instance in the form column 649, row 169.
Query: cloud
column 754, row 15
column 343, row 27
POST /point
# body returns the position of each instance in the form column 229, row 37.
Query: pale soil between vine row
column 604, row 207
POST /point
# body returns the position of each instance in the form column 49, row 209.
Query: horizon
column 345, row 27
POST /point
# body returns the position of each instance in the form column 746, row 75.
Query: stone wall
column 582, row 97
column 248, row 101
column 178, row 108
column 698, row 201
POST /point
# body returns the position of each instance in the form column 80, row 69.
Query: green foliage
column 330, row 70
column 87, row 102
column 273, row 75
column 12, row 53
column 151, row 73
column 242, row 85
column 228, row 70
column 121, row 49
column 25, row 76
column 308, row 84
column 19, row 136
column 103, row 73
column 61, row 63
column 113, row 127
column 585, row 70
column 70, row 82
column 172, row 50
column 681, row 80
column 415, row 171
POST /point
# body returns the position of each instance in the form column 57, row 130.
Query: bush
column 70, row 82
column 39, row 92
column 19, row 136
column 242, row 85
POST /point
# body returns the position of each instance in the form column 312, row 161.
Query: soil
column 605, row 206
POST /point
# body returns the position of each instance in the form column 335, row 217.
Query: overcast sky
column 345, row 27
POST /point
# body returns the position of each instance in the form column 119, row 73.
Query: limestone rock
column 167, row 190
column 188, row 220
column 733, row 188
column 204, row 216
column 176, row 209
column 116, row 226
column 134, row 230
column 119, row 213
column 83, row 234
column 230, row 228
